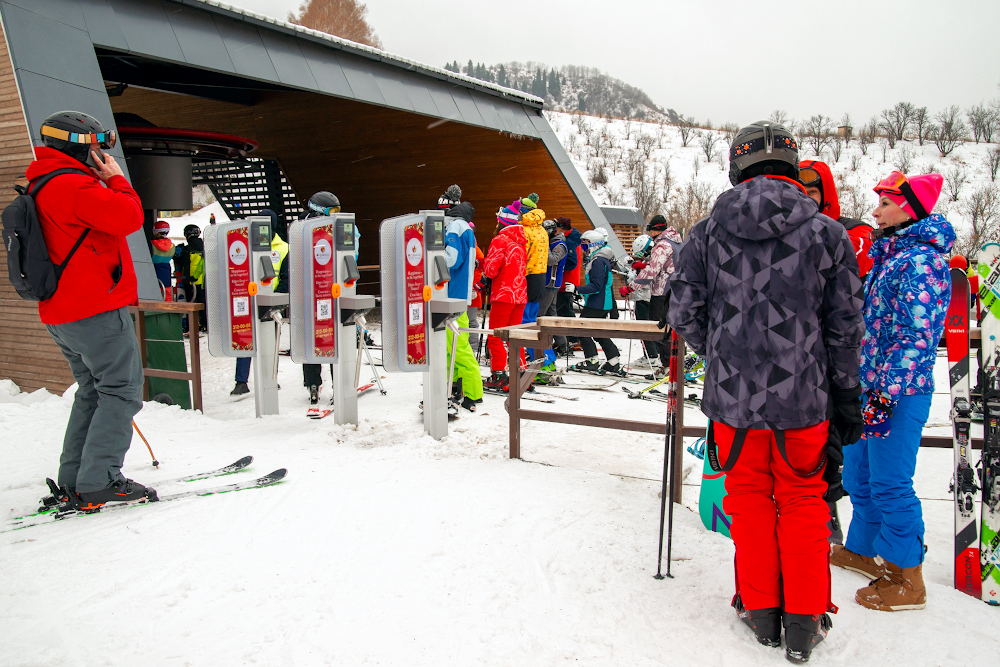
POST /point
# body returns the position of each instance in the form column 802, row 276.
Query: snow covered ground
column 386, row 547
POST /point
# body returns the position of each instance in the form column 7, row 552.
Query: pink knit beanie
column 927, row 188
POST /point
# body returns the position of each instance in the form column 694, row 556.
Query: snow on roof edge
column 384, row 56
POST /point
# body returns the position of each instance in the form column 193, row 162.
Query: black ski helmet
column 550, row 227
column 323, row 203
column 763, row 147
column 74, row 133
column 192, row 231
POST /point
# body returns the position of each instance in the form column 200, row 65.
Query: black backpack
column 29, row 266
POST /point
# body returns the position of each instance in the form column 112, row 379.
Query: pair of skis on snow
column 52, row 513
column 977, row 557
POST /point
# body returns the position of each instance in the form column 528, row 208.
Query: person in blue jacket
column 600, row 301
column 460, row 253
column 564, row 300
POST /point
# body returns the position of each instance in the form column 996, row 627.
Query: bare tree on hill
column 922, row 120
column 685, row 125
column 343, row 18
column 896, row 121
column 948, row 131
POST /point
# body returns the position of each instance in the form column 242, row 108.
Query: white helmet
column 641, row 245
column 595, row 238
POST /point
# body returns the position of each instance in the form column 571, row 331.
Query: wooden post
column 194, row 338
column 678, row 480
column 514, row 398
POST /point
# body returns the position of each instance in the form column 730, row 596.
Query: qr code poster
column 416, row 313
column 241, row 306
column 324, row 309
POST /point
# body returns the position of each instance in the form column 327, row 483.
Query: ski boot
column 240, row 389
column 802, row 633
column 122, row 490
column 549, row 377
column 587, row 366
column 612, row 369
column 765, row 623
column 313, row 402
column 469, row 404
column 497, row 381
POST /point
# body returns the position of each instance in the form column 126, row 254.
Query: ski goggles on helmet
column 897, row 184
column 810, row 178
column 324, row 210
column 105, row 140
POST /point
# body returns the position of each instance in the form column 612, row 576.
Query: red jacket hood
column 831, row 203
column 514, row 233
column 48, row 160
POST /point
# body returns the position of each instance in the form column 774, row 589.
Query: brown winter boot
column 898, row 589
column 844, row 558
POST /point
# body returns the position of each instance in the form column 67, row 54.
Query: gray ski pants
column 103, row 355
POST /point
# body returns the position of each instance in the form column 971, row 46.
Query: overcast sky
column 724, row 60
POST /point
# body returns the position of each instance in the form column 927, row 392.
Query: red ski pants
column 502, row 315
column 779, row 519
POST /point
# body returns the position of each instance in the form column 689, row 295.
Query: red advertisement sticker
column 416, row 327
column 325, row 330
column 239, row 292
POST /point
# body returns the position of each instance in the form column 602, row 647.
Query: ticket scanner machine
column 244, row 313
column 325, row 307
column 416, row 309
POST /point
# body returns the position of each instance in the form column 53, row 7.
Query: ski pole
column 674, row 370
column 156, row 464
column 668, row 469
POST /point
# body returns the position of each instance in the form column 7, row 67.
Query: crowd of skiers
column 819, row 339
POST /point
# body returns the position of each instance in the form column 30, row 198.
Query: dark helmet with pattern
column 763, row 148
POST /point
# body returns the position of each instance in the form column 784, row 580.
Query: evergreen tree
column 470, row 68
column 502, row 77
column 538, row 84
column 582, row 104
column 555, row 90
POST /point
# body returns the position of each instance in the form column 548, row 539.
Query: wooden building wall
column 27, row 354
column 380, row 162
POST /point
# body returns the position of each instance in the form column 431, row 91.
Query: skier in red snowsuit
column 767, row 290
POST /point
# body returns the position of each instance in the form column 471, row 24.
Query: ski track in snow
column 385, row 547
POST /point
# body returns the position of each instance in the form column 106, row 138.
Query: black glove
column 847, row 417
column 833, row 474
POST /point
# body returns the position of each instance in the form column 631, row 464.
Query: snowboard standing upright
column 967, row 574
column 989, row 541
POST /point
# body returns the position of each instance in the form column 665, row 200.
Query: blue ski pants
column 878, row 475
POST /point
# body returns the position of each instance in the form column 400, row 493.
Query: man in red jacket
column 818, row 181
column 88, row 317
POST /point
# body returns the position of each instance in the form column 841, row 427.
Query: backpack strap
column 37, row 184
column 32, row 190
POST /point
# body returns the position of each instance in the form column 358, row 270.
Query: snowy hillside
column 646, row 164
column 571, row 88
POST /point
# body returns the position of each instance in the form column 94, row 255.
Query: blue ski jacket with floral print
column 906, row 300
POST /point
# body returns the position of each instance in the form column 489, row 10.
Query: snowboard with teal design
column 713, row 490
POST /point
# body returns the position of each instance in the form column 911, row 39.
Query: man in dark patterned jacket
column 767, row 289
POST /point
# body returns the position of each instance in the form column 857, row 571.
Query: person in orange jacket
column 818, row 181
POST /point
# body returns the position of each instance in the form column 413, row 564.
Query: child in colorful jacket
column 537, row 254
column 505, row 267
column 906, row 300
column 163, row 253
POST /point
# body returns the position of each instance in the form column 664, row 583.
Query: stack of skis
column 977, row 552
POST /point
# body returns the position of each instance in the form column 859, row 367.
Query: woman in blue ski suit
column 906, row 300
